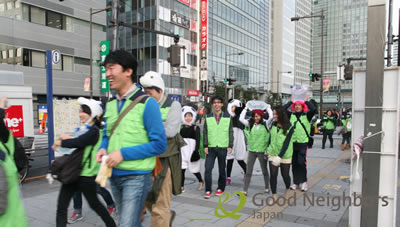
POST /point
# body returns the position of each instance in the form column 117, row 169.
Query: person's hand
column 306, row 99
column 54, row 147
column 100, row 154
column 229, row 150
column 65, row 136
column 291, row 99
column 206, row 150
column 3, row 102
column 114, row 159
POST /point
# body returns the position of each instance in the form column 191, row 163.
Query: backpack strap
column 133, row 104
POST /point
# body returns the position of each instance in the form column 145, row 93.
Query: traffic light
column 226, row 80
column 314, row 76
column 348, row 72
column 231, row 81
column 174, row 55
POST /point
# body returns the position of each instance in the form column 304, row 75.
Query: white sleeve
column 270, row 117
column 242, row 119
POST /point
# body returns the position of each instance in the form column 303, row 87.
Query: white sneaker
column 304, row 187
column 293, row 186
column 266, row 190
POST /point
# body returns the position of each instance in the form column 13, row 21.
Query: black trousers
column 346, row 138
column 327, row 133
column 198, row 176
column 273, row 179
column 87, row 186
column 299, row 163
column 229, row 166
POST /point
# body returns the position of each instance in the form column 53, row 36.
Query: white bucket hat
column 94, row 106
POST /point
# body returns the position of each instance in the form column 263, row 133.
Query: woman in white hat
column 190, row 152
column 88, row 140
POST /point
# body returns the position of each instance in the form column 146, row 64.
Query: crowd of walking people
column 149, row 141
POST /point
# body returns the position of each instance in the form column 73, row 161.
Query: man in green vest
column 133, row 136
column 168, row 182
column 12, row 211
column 218, row 141
column 303, row 112
column 346, row 132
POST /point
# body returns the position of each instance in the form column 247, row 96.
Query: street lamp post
column 227, row 73
column 322, row 17
column 90, row 44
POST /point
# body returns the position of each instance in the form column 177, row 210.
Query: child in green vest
column 280, row 150
column 346, row 132
column 89, row 114
column 258, row 142
column 12, row 211
column 328, row 122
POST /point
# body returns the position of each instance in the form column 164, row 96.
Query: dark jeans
column 273, row 170
column 213, row 153
column 230, row 164
column 77, row 198
column 299, row 163
column 346, row 138
column 327, row 133
column 87, row 186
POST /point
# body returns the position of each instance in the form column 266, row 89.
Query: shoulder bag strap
column 133, row 104
column 304, row 127
column 287, row 141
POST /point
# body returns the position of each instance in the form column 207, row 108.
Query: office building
column 30, row 27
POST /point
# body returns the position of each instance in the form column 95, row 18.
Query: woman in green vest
column 280, row 150
column 328, row 122
column 88, row 138
column 258, row 142
column 346, row 132
column 12, row 211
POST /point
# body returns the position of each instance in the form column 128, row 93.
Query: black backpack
column 67, row 169
column 20, row 158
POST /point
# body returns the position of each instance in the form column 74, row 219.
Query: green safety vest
column 90, row 165
column 129, row 132
column 329, row 123
column 15, row 213
column 258, row 138
column 299, row 135
column 218, row 134
column 277, row 140
column 165, row 108
column 347, row 122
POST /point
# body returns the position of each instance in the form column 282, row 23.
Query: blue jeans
column 77, row 198
column 129, row 193
column 213, row 153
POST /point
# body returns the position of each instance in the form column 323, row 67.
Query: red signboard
column 14, row 120
column 192, row 92
column 203, row 25
column 187, row 2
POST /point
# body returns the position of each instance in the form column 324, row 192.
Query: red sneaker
column 219, row 192
column 207, row 195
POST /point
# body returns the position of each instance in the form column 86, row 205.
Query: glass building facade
column 345, row 36
column 150, row 49
column 238, row 34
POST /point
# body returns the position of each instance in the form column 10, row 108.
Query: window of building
column 38, row 59
column 37, row 15
column 54, row 20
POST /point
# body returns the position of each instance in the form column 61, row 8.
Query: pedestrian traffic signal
column 226, row 80
column 314, row 76
column 348, row 72
column 174, row 55
column 229, row 80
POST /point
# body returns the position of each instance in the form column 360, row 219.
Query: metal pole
column 91, row 53
column 115, row 19
column 278, row 84
column 322, row 64
column 50, row 118
column 389, row 35
column 398, row 43
column 371, row 160
column 226, row 76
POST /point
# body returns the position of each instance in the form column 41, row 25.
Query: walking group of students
column 278, row 138
column 150, row 141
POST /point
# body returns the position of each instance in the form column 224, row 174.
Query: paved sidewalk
column 325, row 171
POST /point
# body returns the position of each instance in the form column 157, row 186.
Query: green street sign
column 104, row 50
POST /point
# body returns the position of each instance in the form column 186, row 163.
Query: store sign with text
column 180, row 20
column 192, row 92
column 14, row 120
column 203, row 25
column 186, row 2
